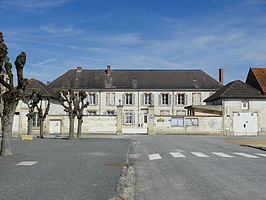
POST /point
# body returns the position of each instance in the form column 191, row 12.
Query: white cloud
column 33, row 4
column 44, row 62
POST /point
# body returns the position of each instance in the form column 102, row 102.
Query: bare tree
column 31, row 101
column 12, row 94
column 43, row 109
column 67, row 99
column 80, row 104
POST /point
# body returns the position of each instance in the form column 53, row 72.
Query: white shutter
column 133, row 118
column 142, row 99
column 169, row 99
column 124, row 118
column 112, row 99
column 96, row 99
column 152, row 99
column 186, row 99
column 88, row 98
column 176, row 99
column 107, row 99
column 123, row 99
column 160, row 99
column 133, row 99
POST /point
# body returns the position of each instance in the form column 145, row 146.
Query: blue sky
column 59, row 35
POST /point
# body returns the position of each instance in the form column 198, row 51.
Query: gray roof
column 235, row 89
column 136, row 79
column 45, row 90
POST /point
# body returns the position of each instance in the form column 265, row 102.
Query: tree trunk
column 79, row 128
column 71, row 127
column 30, row 125
column 7, row 124
column 41, row 128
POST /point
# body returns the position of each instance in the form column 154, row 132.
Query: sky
column 59, row 35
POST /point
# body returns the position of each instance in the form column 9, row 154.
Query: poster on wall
column 177, row 121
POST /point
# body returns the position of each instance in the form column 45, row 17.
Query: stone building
column 135, row 91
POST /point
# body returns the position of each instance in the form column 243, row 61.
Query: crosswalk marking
column 155, row 156
column 261, row 154
column 27, row 163
column 177, row 155
column 222, row 155
column 199, row 154
column 245, row 155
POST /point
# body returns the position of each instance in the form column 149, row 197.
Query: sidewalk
column 255, row 143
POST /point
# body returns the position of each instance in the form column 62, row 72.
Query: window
column 35, row 119
column 244, row 104
column 128, row 117
column 147, row 99
column 192, row 121
column 110, row 112
column 177, row 122
column 191, row 112
column 110, row 99
column 91, row 112
column 180, row 99
column 181, row 112
column 92, row 99
column 196, row 99
column 164, row 112
column 165, row 99
column 128, row 99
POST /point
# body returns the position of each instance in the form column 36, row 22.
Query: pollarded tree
column 31, row 100
column 43, row 109
column 12, row 94
column 80, row 105
column 67, row 99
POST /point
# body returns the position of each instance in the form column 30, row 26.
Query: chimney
column 221, row 75
column 108, row 71
column 79, row 69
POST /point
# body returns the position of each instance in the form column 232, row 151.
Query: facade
column 166, row 91
column 243, row 109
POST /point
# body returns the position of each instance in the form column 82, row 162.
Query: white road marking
column 199, row 154
column 177, row 155
column 155, row 156
column 261, row 154
column 246, row 155
column 222, row 155
column 27, row 163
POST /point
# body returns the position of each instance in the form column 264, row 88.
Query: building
column 167, row 91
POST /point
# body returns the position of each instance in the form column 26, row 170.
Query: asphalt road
column 197, row 173
column 65, row 170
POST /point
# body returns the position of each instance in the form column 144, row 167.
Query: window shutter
column 186, row 100
column 88, row 98
column 107, row 99
column 160, row 99
column 176, row 99
column 152, row 99
column 169, row 99
column 133, row 118
column 133, row 99
column 124, row 118
column 96, row 99
column 123, row 99
column 142, row 99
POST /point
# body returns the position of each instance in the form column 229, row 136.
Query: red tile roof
column 260, row 75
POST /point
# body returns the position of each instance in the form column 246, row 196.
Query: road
column 197, row 168
column 64, row 170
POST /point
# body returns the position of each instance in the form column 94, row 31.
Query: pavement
column 197, row 168
column 250, row 142
column 57, row 169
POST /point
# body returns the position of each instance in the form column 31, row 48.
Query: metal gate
column 245, row 124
